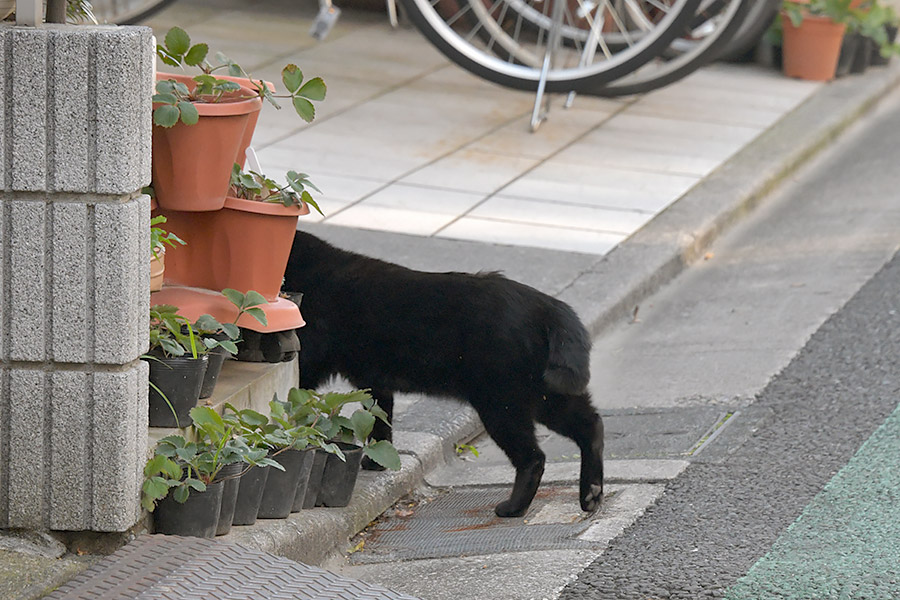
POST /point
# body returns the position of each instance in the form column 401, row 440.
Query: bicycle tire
column 662, row 72
column 486, row 64
column 755, row 25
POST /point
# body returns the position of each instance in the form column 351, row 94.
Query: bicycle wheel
column 756, row 23
column 712, row 29
column 127, row 12
column 505, row 41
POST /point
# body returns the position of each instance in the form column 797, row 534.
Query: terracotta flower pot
column 244, row 246
column 157, row 269
column 192, row 163
column 811, row 50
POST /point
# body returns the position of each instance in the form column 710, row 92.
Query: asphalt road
column 719, row 517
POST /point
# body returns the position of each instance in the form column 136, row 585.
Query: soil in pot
column 250, row 492
column 306, row 496
column 231, row 483
column 179, row 379
column 339, row 477
column 197, row 517
column 281, row 486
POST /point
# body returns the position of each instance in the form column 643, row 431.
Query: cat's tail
column 568, row 365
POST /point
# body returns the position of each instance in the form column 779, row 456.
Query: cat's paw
column 592, row 499
column 508, row 509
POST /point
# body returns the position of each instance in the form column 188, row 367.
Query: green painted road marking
column 846, row 543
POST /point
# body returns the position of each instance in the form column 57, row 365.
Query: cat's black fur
column 515, row 354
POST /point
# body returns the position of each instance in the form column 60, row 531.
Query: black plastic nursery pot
column 281, row 486
column 306, row 496
column 877, row 59
column 246, row 506
column 179, row 379
column 196, row 517
column 339, row 477
column 217, row 358
column 851, row 45
column 229, row 478
column 863, row 57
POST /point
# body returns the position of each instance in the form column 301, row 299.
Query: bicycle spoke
column 507, row 40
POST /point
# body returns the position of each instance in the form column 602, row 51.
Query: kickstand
column 539, row 115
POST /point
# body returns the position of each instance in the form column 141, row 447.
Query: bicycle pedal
column 324, row 22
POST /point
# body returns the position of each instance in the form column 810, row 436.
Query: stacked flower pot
column 230, row 242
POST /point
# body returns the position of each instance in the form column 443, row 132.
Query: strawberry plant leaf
column 304, row 108
column 314, row 89
column 292, row 77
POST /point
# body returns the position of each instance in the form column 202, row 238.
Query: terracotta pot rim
column 265, row 208
column 226, row 107
column 815, row 18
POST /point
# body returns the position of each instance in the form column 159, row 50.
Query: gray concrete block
column 26, row 459
column 70, row 450
column 4, row 447
column 27, row 264
column 27, row 73
column 72, row 279
column 4, row 40
column 4, row 297
column 123, row 105
column 70, row 144
column 121, row 280
column 119, row 446
column 87, row 131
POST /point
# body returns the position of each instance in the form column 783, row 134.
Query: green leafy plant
column 870, row 18
column 159, row 237
column 179, row 465
column 256, row 186
column 175, row 100
column 171, row 334
column 224, row 436
column 462, row 449
column 837, row 10
column 323, row 411
column 80, row 11
column 275, row 433
column 873, row 23
column 214, row 334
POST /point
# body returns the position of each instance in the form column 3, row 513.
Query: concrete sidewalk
column 425, row 165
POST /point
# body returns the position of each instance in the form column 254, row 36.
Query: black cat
column 515, row 354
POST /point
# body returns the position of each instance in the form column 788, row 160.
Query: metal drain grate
column 463, row 522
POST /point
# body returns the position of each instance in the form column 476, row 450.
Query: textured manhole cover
column 463, row 523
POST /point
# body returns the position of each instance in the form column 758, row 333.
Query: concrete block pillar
column 75, row 123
